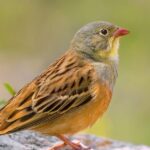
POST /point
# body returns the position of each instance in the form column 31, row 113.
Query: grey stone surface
column 28, row 140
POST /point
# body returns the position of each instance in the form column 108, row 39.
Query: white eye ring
column 104, row 32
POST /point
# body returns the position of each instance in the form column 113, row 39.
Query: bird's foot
column 75, row 145
column 80, row 146
column 58, row 146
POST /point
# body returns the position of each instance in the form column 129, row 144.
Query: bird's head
column 99, row 40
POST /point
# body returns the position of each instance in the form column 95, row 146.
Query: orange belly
column 82, row 117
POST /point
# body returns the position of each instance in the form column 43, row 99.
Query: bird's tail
column 0, row 120
column 17, row 114
column 1, row 124
column 5, row 112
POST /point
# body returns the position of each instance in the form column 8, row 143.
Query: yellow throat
column 112, row 51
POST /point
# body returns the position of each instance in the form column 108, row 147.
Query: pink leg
column 73, row 145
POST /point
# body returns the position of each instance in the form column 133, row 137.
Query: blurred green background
column 33, row 33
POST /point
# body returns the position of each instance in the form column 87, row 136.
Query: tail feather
column 2, row 125
column 18, row 108
column 10, row 117
column 0, row 121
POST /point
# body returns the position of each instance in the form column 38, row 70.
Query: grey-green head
column 100, row 40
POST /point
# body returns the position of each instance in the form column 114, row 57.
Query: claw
column 58, row 146
column 80, row 145
column 76, row 146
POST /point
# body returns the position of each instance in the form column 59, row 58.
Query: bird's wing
column 62, row 88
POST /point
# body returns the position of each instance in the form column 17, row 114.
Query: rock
column 28, row 140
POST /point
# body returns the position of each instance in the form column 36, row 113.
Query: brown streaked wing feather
column 63, row 87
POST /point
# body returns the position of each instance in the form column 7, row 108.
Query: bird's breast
column 106, row 74
column 82, row 117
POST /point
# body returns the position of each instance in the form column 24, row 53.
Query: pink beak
column 121, row 32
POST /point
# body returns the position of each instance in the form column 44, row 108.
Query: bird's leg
column 74, row 145
column 68, row 142
column 57, row 146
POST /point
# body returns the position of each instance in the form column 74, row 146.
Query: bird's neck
column 107, row 69
column 108, row 56
column 112, row 60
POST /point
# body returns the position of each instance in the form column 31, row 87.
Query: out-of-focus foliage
column 10, row 89
column 35, row 32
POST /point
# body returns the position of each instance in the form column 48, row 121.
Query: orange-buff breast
column 81, row 117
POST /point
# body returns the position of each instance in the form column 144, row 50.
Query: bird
column 73, row 92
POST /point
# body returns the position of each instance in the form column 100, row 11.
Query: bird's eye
column 104, row 32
